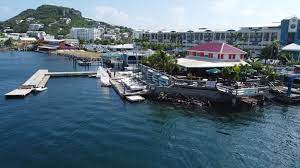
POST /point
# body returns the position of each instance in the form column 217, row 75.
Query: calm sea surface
column 76, row 123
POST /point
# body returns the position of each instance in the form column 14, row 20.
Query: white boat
column 103, row 76
column 131, row 85
column 40, row 89
column 84, row 63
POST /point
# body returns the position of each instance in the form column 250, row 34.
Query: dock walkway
column 40, row 79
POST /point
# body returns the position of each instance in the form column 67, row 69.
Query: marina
column 81, row 118
column 149, row 84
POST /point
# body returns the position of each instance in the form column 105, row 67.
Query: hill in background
column 57, row 20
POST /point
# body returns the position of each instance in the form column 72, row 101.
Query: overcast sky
column 170, row 14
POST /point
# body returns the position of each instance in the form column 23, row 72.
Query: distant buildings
column 15, row 36
column 110, row 36
column 36, row 34
column 35, row 27
column 86, row 34
column 8, row 30
column 253, row 38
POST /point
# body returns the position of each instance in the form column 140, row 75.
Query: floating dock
column 40, row 79
column 129, row 96
column 72, row 74
column 135, row 98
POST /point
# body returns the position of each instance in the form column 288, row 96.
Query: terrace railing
column 243, row 92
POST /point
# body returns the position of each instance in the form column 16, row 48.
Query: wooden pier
column 129, row 96
column 40, row 79
column 71, row 74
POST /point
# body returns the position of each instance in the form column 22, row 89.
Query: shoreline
column 78, row 54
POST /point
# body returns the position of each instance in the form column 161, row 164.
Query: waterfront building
column 15, row 36
column 86, row 34
column 212, row 55
column 72, row 42
column 253, row 38
column 26, row 43
column 52, row 45
column 123, row 59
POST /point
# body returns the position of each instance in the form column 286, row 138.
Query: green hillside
column 54, row 20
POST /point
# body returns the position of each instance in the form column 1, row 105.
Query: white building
column 86, row 34
column 36, row 34
column 138, row 34
column 15, row 36
column 35, row 27
column 110, row 36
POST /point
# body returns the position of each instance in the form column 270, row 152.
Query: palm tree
column 160, row 60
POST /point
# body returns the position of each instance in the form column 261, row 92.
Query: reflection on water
column 78, row 123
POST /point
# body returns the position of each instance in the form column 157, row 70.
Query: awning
column 193, row 63
column 213, row 71
column 291, row 47
column 48, row 47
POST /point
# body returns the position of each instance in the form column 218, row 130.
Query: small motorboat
column 40, row 89
column 84, row 63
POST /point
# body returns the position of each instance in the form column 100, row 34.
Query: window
column 229, row 56
column 194, row 53
column 242, row 56
column 220, row 56
column 210, row 55
column 233, row 56
column 202, row 54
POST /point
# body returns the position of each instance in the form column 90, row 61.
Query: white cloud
column 111, row 15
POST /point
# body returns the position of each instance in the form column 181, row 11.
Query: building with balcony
column 86, row 34
column 253, row 38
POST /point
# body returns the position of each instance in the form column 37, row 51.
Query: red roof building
column 212, row 55
column 217, row 51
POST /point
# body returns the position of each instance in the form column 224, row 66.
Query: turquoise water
column 76, row 123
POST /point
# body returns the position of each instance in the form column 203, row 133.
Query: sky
column 170, row 14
